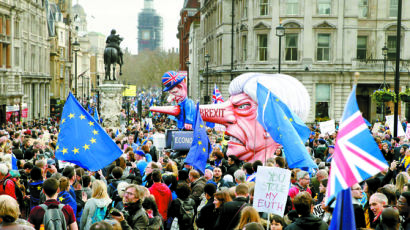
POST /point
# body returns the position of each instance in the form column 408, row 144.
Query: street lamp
column 187, row 63
column 207, row 59
column 280, row 32
column 384, row 51
column 76, row 48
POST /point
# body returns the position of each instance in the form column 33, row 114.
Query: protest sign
column 327, row 127
column 390, row 123
column 271, row 190
column 408, row 131
column 376, row 127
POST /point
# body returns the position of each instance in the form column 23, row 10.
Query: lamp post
column 280, row 32
column 207, row 58
column 76, row 48
column 187, row 63
column 98, row 94
column 384, row 51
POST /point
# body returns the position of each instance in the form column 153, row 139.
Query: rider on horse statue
column 114, row 40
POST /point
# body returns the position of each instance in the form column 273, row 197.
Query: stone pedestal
column 110, row 103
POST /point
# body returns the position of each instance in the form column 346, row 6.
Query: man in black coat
column 233, row 163
column 230, row 212
column 207, row 216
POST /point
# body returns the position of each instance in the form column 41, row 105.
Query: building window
column 245, row 9
column 363, row 8
column 323, row 47
column 292, row 7
column 361, row 47
column 262, row 47
column 323, row 7
column 391, row 45
column 291, row 47
column 322, row 101
column 264, row 7
column 393, row 8
column 244, row 48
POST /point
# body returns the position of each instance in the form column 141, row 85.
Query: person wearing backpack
column 96, row 208
column 112, row 187
column 183, row 208
column 42, row 215
column 7, row 186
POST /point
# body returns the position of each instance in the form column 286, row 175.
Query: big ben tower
column 149, row 28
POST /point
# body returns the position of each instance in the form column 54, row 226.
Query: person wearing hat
column 233, row 162
column 175, row 84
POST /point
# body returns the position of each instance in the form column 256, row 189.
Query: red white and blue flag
column 357, row 156
column 217, row 96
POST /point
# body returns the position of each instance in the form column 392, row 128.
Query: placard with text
column 271, row 190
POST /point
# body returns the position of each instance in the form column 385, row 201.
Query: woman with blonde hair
column 9, row 215
column 95, row 208
column 401, row 179
column 248, row 215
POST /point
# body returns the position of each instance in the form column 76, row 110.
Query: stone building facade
column 325, row 43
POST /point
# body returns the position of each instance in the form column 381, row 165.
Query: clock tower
column 149, row 28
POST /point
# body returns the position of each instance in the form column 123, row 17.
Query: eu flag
column 285, row 127
column 96, row 117
column 343, row 214
column 201, row 146
column 82, row 141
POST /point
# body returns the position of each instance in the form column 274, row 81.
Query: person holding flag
column 356, row 158
column 82, row 141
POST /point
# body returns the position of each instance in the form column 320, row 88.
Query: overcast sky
column 122, row 15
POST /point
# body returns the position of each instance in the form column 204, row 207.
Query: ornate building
column 325, row 43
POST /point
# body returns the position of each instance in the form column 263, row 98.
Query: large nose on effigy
column 170, row 110
column 218, row 113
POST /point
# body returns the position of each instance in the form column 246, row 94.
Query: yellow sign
column 130, row 91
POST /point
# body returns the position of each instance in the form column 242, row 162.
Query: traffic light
column 378, row 110
column 388, row 110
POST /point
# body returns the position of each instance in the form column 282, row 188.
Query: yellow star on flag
column 203, row 149
column 64, row 151
column 285, row 117
column 75, row 150
column 290, row 119
column 39, row 188
column 86, row 147
column 62, row 121
column 95, row 132
column 277, row 99
column 93, row 140
column 71, row 115
column 280, row 136
column 201, row 126
column 57, row 147
column 199, row 142
column 61, row 199
column 91, row 123
column 82, row 117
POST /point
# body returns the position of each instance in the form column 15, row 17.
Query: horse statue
column 112, row 55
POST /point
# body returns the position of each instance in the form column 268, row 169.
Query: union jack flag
column 217, row 96
column 357, row 156
column 171, row 77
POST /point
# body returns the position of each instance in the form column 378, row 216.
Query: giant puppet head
column 249, row 141
column 175, row 84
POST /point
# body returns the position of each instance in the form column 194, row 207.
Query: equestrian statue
column 112, row 55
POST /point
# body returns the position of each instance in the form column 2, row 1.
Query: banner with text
column 271, row 190
column 182, row 140
column 327, row 127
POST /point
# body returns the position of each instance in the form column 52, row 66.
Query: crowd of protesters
column 151, row 188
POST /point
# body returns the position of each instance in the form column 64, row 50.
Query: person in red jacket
column 7, row 186
column 161, row 192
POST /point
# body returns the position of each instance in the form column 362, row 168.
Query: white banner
column 376, row 127
column 390, row 123
column 327, row 127
column 408, row 131
column 271, row 190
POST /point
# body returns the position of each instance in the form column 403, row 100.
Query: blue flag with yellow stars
column 82, row 141
column 285, row 127
column 201, row 146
